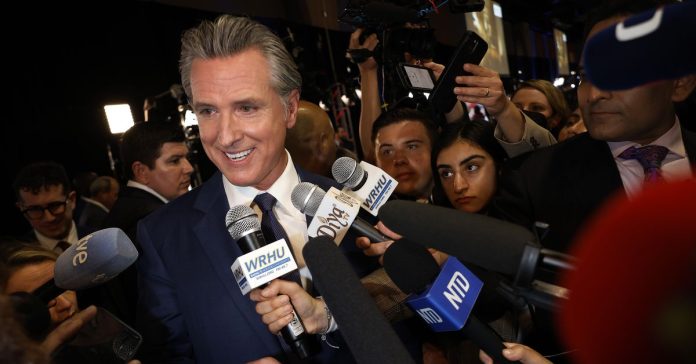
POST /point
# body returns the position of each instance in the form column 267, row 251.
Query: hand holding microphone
column 277, row 300
column 245, row 228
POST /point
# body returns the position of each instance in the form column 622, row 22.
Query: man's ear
column 140, row 172
column 293, row 106
column 683, row 87
column 72, row 196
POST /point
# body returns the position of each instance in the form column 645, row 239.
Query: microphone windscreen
column 307, row 197
column 650, row 46
column 95, row 259
column 633, row 294
column 347, row 171
column 410, row 266
column 487, row 242
column 367, row 332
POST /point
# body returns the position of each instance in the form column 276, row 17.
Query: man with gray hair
column 244, row 88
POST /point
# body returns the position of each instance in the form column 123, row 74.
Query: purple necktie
column 650, row 157
column 271, row 228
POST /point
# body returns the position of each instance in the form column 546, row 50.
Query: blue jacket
column 190, row 308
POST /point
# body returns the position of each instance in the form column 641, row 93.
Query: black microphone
column 307, row 197
column 93, row 260
column 366, row 331
column 244, row 227
column 490, row 243
column 412, row 268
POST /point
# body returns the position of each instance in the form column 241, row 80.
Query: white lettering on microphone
column 457, row 288
column 429, row 315
column 81, row 255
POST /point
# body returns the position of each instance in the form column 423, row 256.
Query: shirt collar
column 51, row 243
column 141, row 186
column 672, row 140
column 281, row 189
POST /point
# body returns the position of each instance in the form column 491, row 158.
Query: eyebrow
column 464, row 161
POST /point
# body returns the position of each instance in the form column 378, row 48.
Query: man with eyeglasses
column 47, row 201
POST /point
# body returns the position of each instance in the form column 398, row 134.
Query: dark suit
column 132, row 205
column 92, row 215
column 190, row 307
column 563, row 185
column 120, row 295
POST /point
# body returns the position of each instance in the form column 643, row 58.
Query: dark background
column 65, row 62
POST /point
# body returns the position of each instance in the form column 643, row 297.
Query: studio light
column 119, row 117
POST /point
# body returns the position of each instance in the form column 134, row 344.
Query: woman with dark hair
column 466, row 159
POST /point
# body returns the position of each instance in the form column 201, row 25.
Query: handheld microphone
column 443, row 297
column 95, row 259
column 366, row 331
column 245, row 228
column 365, row 182
column 490, row 243
column 307, row 197
column 646, row 47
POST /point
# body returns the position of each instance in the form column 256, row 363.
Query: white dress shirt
column 293, row 221
column 52, row 244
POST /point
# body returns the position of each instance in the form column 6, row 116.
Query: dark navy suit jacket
column 190, row 307
column 563, row 185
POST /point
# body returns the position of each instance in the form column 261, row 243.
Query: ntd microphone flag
column 446, row 305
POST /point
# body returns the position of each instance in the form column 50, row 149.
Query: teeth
column 239, row 156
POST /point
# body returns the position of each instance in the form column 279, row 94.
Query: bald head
column 311, row 141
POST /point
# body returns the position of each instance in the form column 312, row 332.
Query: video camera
column 388, row 20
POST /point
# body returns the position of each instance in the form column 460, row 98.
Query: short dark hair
column 143, row 143
column 402, row 114
column 40, row 175
column 477, row 132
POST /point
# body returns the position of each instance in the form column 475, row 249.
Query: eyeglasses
column 37, row 212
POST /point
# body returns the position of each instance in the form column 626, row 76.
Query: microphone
column 308, row 197
column 95, row 259
column 646, row 47
column 245, row 228
column 490, row 243
column 443, row 298
column 365, row 182
column 366, row 331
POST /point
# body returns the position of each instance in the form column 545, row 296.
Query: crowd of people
column 535, row 161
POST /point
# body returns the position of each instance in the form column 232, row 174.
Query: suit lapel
column 591, row 167
column 221, row 249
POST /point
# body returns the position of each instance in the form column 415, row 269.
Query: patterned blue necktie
column 650, row 158
column 271, row 228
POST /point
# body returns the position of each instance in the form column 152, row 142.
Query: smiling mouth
column 239, row 156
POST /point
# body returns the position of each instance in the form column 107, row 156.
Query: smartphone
column 105, row 339
column 415, row 77
column 471, row 49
